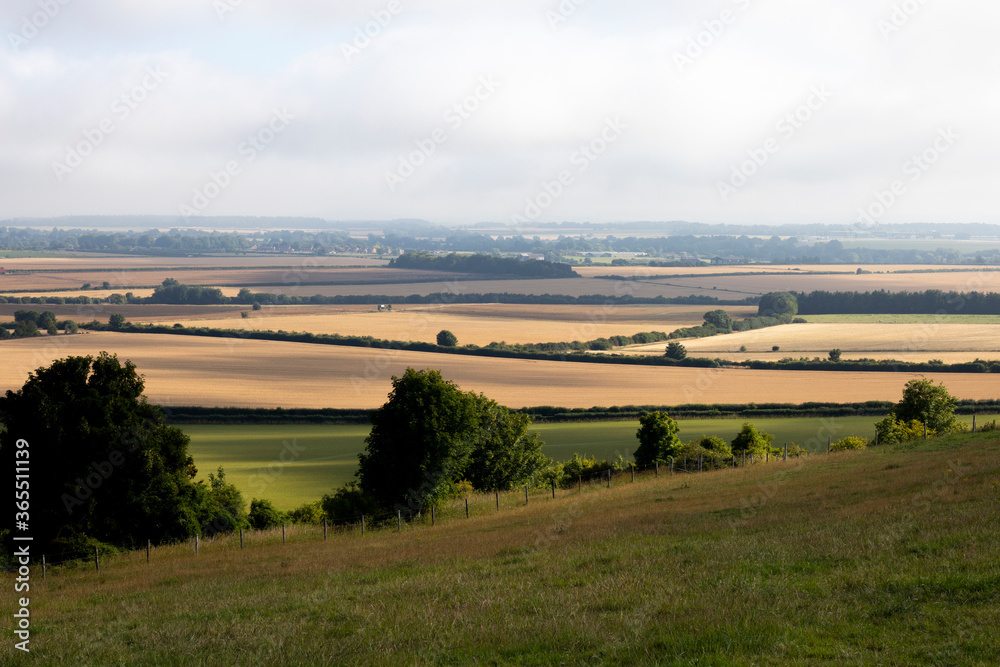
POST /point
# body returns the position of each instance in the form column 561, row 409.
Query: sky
column 517, row 111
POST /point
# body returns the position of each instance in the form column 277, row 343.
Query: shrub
column 775, row 348
column 848, row 443
column 446, row 338
column 311, row 513
column 264, row 515
column 892, row 431
column 834, row 354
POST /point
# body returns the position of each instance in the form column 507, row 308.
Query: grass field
column 884, row 557
column 184, row 370
column 295, row 464
column 944, row 340
column 903, row 319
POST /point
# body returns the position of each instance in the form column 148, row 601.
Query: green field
column 881, row 557
column 292, row 465
column 902, row 319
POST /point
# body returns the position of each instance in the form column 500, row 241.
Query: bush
column 348, row 504
column 310, row 513
column 264, row 515
column 446, row 338
column 849, row 443
column 891, row 431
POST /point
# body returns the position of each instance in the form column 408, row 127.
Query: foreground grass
column 887, row 556
column 295, row 464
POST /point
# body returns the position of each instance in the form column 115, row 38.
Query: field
column 944, row 340
column 187, row 370
column 471, row 323
column 869, row 558
column 295, row 464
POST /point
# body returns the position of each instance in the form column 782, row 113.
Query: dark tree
column 676, row 351
column 103, row 462
column 835, row 354
column 719, row 319
column 752, row 441
column 446, row 338
column 116, row 321
column 421, row 441
column 782, row 305
column 658, row 439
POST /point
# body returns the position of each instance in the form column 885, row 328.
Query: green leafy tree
column 892, row 431
column 420, row 443
column 675, row 351
column 751, row 441
column 658, row 439
column 505, row 455
column 264, row 515
column 928, row 403
column 782, row 305
column 103, row 461
column 116, row 321
column 222, row 506
column 835, row 354
column 719, row 319
column 446, row 338
column 714, row 443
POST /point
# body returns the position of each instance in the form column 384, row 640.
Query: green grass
column 880, row 557
column 903, row 319
column 318, row 459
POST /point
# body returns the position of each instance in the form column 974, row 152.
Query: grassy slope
column 880, row 557
column 321, row 458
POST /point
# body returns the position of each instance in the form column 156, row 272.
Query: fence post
column 43, row 566
column 553, row 489
column 241, row 539
column 324, row 530
column 432, row 515
column 751, row 458
column 785, row 456
column 97, row 560
column 632, row 467
column 496, row 494
column 195, row 545
column 525, row 494
column 282, row 533
column 925, row 430
column 656, row 468
column 609, row 478
column 362, row 525
column 744, row 459
column 581, row 483
column 671, row 465
column 699, row 463
column 829, row 444
column 399, row 521
column 466, row 508
column 973, row 422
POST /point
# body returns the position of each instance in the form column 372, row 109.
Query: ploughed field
column 188, row 370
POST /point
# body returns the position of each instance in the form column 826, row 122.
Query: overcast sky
column 457, row 112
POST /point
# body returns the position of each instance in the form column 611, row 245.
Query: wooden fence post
column 97, row 560
column 744, row 459
column 785, row 457
column 324, row 530
column 43, row 566
column 362, row 525
column 148, row 545
column 829, row 444
column 432, row 515
column 671, row 465
column 282, row 533
column 656, row 468
column 925, row 430
column 633, row 472
column 399, row 521
column 496, row 493
column 553, row 489
column 973, row 422
column 195, row 545
column 241, row 539
column 609, row 478
column 525, row 494
column 466, row 508
column 699, row 463
column 581, row 483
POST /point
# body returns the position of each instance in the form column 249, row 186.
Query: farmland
column 296, row 464
column 916, row 341
column 860, row 558
column 184, row 370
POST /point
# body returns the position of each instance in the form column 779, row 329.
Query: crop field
column 866, row 558
column 909, row 342
column 884, row 318
column 764, row 269
column 186, row 370
column 96, row 261
column 477, row 324
column 291, row 465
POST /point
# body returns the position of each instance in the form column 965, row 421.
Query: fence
column 474, row 505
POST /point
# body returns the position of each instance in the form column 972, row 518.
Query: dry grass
column 912, row 342
column 646, row 271
column 184, row 370
column 89, row 261
column 477, row 324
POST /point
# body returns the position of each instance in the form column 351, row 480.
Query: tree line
column 484, row 264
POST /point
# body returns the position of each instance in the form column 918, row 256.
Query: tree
column 505, row 455
column 264, row 515
column 446, row 338
column 782, row 305
column 719, row 319
column 928, row 403
column 421, row 441
column 658, row 440
column 222, row 507
column 835, row 354
column 116, row 321
column 71, row 327
column 103, row 462
column 751, row 441
column 675, row 351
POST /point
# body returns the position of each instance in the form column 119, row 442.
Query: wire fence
column 471, row 506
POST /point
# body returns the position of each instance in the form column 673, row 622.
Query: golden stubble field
column 477, row 324
column 906, row 342
column 212, row 372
